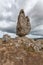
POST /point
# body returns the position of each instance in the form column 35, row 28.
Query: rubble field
column 21, row 51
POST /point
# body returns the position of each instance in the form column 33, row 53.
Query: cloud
column 3, row 33
column 34, row 36
column 30, row 5
column 9, row 10
column 8, row 26
column 36, row 14
column 37, row 30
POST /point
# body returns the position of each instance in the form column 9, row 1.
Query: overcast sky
column 9, row 10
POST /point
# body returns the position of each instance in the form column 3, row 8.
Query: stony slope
column 20, row 51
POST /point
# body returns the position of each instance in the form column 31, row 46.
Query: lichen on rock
column 23, row 24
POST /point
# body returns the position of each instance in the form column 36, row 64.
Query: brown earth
column 20, row 51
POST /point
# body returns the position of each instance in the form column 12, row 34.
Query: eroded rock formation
column 23, row 24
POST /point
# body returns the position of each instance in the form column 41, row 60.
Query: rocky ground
column 21, row 51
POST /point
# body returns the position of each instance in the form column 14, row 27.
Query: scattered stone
column 6, row 38
column 11, row 44
column 23, row 24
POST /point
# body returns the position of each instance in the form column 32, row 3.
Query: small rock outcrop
column 6, row 38
column 23, row 24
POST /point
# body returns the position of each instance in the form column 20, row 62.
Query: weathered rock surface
column 23, row 24
column 20, row 51
column 30, row 44
column 6, row 38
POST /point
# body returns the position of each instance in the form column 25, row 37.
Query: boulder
column 6, row 38
column 23, row 24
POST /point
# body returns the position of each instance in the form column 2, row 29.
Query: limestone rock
column 29, row 44
column 6, row 38
column 23, row 24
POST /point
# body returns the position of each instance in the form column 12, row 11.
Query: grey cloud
column 37, row 32
column 11, row 29
column 36, row 16
column 12, row 18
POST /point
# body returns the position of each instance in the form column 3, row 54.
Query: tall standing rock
column 23, row 24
